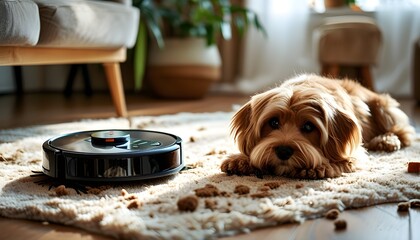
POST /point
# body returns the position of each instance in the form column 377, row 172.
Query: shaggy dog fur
column 315, row 127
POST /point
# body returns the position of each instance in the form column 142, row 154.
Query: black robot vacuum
column 112, row 155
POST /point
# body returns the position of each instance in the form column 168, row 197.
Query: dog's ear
column 344, row 135
column 242, row 130
column 244, row 125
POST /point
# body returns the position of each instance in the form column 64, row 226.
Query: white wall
column 50, row 78
column 289, row 48
column 6, row 80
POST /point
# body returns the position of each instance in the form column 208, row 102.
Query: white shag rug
column 149, row 209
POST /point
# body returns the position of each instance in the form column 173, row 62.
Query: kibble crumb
column 62, row 190
column 413, row 167
column 134, row 204
column 208, row 191
column 241, row 189
column 340, row 224
column 415, row 203
column 332, row 214
column 403, row 206
column 188, row 204
column 124, row 192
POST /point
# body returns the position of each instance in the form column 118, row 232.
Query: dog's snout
column 284, row 152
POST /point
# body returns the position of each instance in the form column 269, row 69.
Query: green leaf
column 259, row 26
column 211, row 35
column 150, row 14
column 140, row 56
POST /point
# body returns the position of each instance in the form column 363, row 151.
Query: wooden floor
column 378, row 222
column 43, row 108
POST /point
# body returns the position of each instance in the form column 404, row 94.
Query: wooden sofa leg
column 367, row 79
column 113, row 75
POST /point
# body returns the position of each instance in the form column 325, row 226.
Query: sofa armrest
column 87, row 24
column 19, row 25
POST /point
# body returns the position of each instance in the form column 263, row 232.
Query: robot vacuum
column 112, row 155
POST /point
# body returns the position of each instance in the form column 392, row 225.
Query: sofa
column 38, row 32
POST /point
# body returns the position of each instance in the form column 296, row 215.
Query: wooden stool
column 348, row 46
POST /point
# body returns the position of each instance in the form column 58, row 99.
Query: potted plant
column 189, row 63
column 150, row 20
column 339, row 3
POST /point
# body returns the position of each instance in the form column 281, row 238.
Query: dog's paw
column 239, row 164
column 316, row 173
column 388, row 142
column 307, row 173
column 320, row 172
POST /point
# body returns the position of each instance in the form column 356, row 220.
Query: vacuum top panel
column 112, row 141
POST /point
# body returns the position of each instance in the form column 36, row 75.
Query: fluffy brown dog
column 315, row 127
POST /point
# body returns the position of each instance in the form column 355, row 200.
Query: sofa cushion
column 87, row 24
column 19, row 23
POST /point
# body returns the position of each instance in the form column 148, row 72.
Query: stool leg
column 366, row 77
column 113, row 75
column 68, row 89
column 17, row 70
column 330, row 70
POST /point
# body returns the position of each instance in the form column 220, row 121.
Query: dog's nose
column 284, row 152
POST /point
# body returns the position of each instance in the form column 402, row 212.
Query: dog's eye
column 308, row 127
column 274, row 123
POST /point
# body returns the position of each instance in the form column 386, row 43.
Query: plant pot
column 184, row 69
